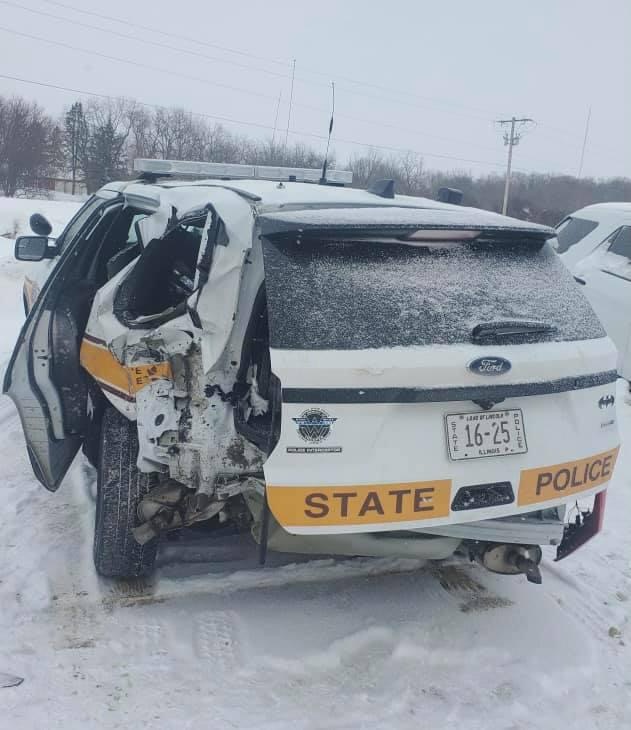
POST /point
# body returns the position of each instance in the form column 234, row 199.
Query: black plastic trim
column 482, row 496
column 441, row 395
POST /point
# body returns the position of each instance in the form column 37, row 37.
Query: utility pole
column 276, row 121
column 580, row 167
column 510, row 140
column 291, row 100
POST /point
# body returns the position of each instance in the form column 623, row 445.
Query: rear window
column 571, row 231
column 361, row 294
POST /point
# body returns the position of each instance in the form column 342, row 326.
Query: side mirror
column 40, row 225
column 31, row 248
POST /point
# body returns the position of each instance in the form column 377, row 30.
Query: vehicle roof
column 604, row 210
column 269, row 196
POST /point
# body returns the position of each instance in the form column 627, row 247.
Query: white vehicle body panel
column 606, row 276
column 608, row 217
column 406, row 443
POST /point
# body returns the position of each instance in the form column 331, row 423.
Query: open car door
column 44, row 377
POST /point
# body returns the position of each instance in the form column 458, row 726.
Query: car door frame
column 27, row 379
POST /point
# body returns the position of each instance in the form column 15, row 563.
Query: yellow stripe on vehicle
column 359, row 505
column 115, row 377
column 564, row 480
column 31, row 291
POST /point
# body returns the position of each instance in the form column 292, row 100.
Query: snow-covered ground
column 15, row 212
column 215, row 642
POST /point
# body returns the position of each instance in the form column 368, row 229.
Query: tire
column 120, row 487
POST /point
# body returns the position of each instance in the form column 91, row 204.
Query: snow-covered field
column 216, row 642
column 15, row 212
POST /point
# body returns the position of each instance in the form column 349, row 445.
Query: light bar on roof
column 258, row 172
column 302, row 174
column 194, row 169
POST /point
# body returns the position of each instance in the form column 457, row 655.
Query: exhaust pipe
column 511, row 560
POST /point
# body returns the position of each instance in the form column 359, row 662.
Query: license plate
column 493, row 433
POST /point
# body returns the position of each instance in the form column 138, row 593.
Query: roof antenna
column 328, row 141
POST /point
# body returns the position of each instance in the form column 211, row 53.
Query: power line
column 561, row 137
column 287, row 64
column 245, row 66
column 146, row 41
column 139, row 64
column 216, row 83
column 168, row 34
column 229, row 120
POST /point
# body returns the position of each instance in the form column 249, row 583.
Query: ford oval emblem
column 489, row 365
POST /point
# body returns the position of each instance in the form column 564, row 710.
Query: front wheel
column 120, row 488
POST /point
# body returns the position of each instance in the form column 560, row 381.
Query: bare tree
column 412, row 174
column 25, row 150
column 118, row 131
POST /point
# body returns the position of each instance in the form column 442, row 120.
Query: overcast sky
column 425, row 76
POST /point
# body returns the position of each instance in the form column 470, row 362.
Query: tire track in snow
column 216, row 640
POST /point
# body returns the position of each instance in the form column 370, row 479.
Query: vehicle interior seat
column 162, row 278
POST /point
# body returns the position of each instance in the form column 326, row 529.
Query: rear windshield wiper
column 510, row 328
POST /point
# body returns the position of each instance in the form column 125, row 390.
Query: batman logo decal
column 606, row 401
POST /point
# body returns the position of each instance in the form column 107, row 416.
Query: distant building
column 63, row 185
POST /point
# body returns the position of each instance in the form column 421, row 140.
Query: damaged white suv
column 335, row 370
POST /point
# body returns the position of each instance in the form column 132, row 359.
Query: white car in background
column 581, row 233
column 595, row 244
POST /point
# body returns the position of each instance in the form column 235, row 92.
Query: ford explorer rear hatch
column 437, row 366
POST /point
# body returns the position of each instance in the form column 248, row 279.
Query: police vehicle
column 334, row 370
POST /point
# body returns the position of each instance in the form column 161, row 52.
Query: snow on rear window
column 357, row 294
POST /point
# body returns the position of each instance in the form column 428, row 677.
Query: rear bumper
column 382, row 545
column 441, row 543
column 537, row 528
column 326, row 509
